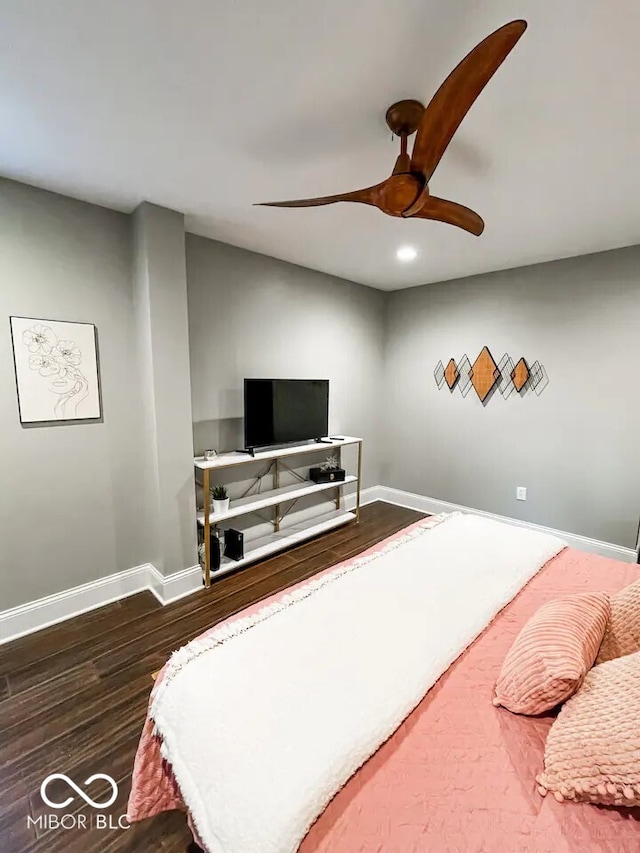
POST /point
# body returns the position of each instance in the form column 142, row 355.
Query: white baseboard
column 175, row 586
column 434, row 506
column 43, row 612
column 35, row 615
column 30, row 617
column 367, row 496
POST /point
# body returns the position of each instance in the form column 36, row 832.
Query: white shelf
column 265, row 546
column 228, row 460
column 254, row 503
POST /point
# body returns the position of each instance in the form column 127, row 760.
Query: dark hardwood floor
column 73, row 697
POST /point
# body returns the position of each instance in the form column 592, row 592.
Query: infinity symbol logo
column 72, row 784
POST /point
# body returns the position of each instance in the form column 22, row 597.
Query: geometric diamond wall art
column 520, row 375
column 451, row 374
column 538, row 379
column 484, row 374
column 505, row 383
column 464, row 382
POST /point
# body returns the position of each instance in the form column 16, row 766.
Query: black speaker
column 214, row 552
column 234, row 544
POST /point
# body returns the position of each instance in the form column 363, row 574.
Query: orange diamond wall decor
column 520, row 374
column 451, row 374
column 484, row 374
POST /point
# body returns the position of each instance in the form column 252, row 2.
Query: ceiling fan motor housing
column 403, row 117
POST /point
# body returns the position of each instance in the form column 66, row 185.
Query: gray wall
column 71, row 502
column 253, row 316
column 69, row 494
column 160, row 299
column 576, row 447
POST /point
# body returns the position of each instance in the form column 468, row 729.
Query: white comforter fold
column 264, row 721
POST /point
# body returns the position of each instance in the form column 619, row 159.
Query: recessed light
column 406, row 254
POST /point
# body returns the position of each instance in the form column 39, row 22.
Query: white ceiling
column 207, row 106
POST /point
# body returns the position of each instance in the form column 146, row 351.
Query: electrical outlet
column 521, row 493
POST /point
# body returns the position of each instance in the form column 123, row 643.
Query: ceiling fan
column 406, row 192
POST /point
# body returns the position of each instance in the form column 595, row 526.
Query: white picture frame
column 56, row 367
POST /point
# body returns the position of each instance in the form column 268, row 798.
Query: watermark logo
column 78, row 821
column 72, row 784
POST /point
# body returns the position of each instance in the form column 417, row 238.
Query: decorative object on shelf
column 56, row 366
column 214, row 553
column 209, row 455
column 234, row 544
column 331, row 463
column 220, row 499
column 484, row 375
column 328, row 472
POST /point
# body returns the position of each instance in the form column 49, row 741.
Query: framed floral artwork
column 57, row 373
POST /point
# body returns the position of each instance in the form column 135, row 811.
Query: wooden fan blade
column 456, row 96
column 451, row 213
column 366, row 196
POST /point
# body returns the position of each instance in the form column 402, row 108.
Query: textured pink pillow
column 552, row 653
column 622, row 635
column 593, row 748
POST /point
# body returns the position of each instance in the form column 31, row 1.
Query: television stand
column 280, row 499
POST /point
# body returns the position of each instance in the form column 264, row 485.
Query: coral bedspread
column 458, row 774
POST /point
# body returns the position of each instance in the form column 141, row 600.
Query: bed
column 457, row 774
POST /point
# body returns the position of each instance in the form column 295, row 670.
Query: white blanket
column 266, row 719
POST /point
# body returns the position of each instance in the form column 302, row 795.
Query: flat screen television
column 283, row 411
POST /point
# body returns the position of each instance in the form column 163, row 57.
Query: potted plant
column 220, row 499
